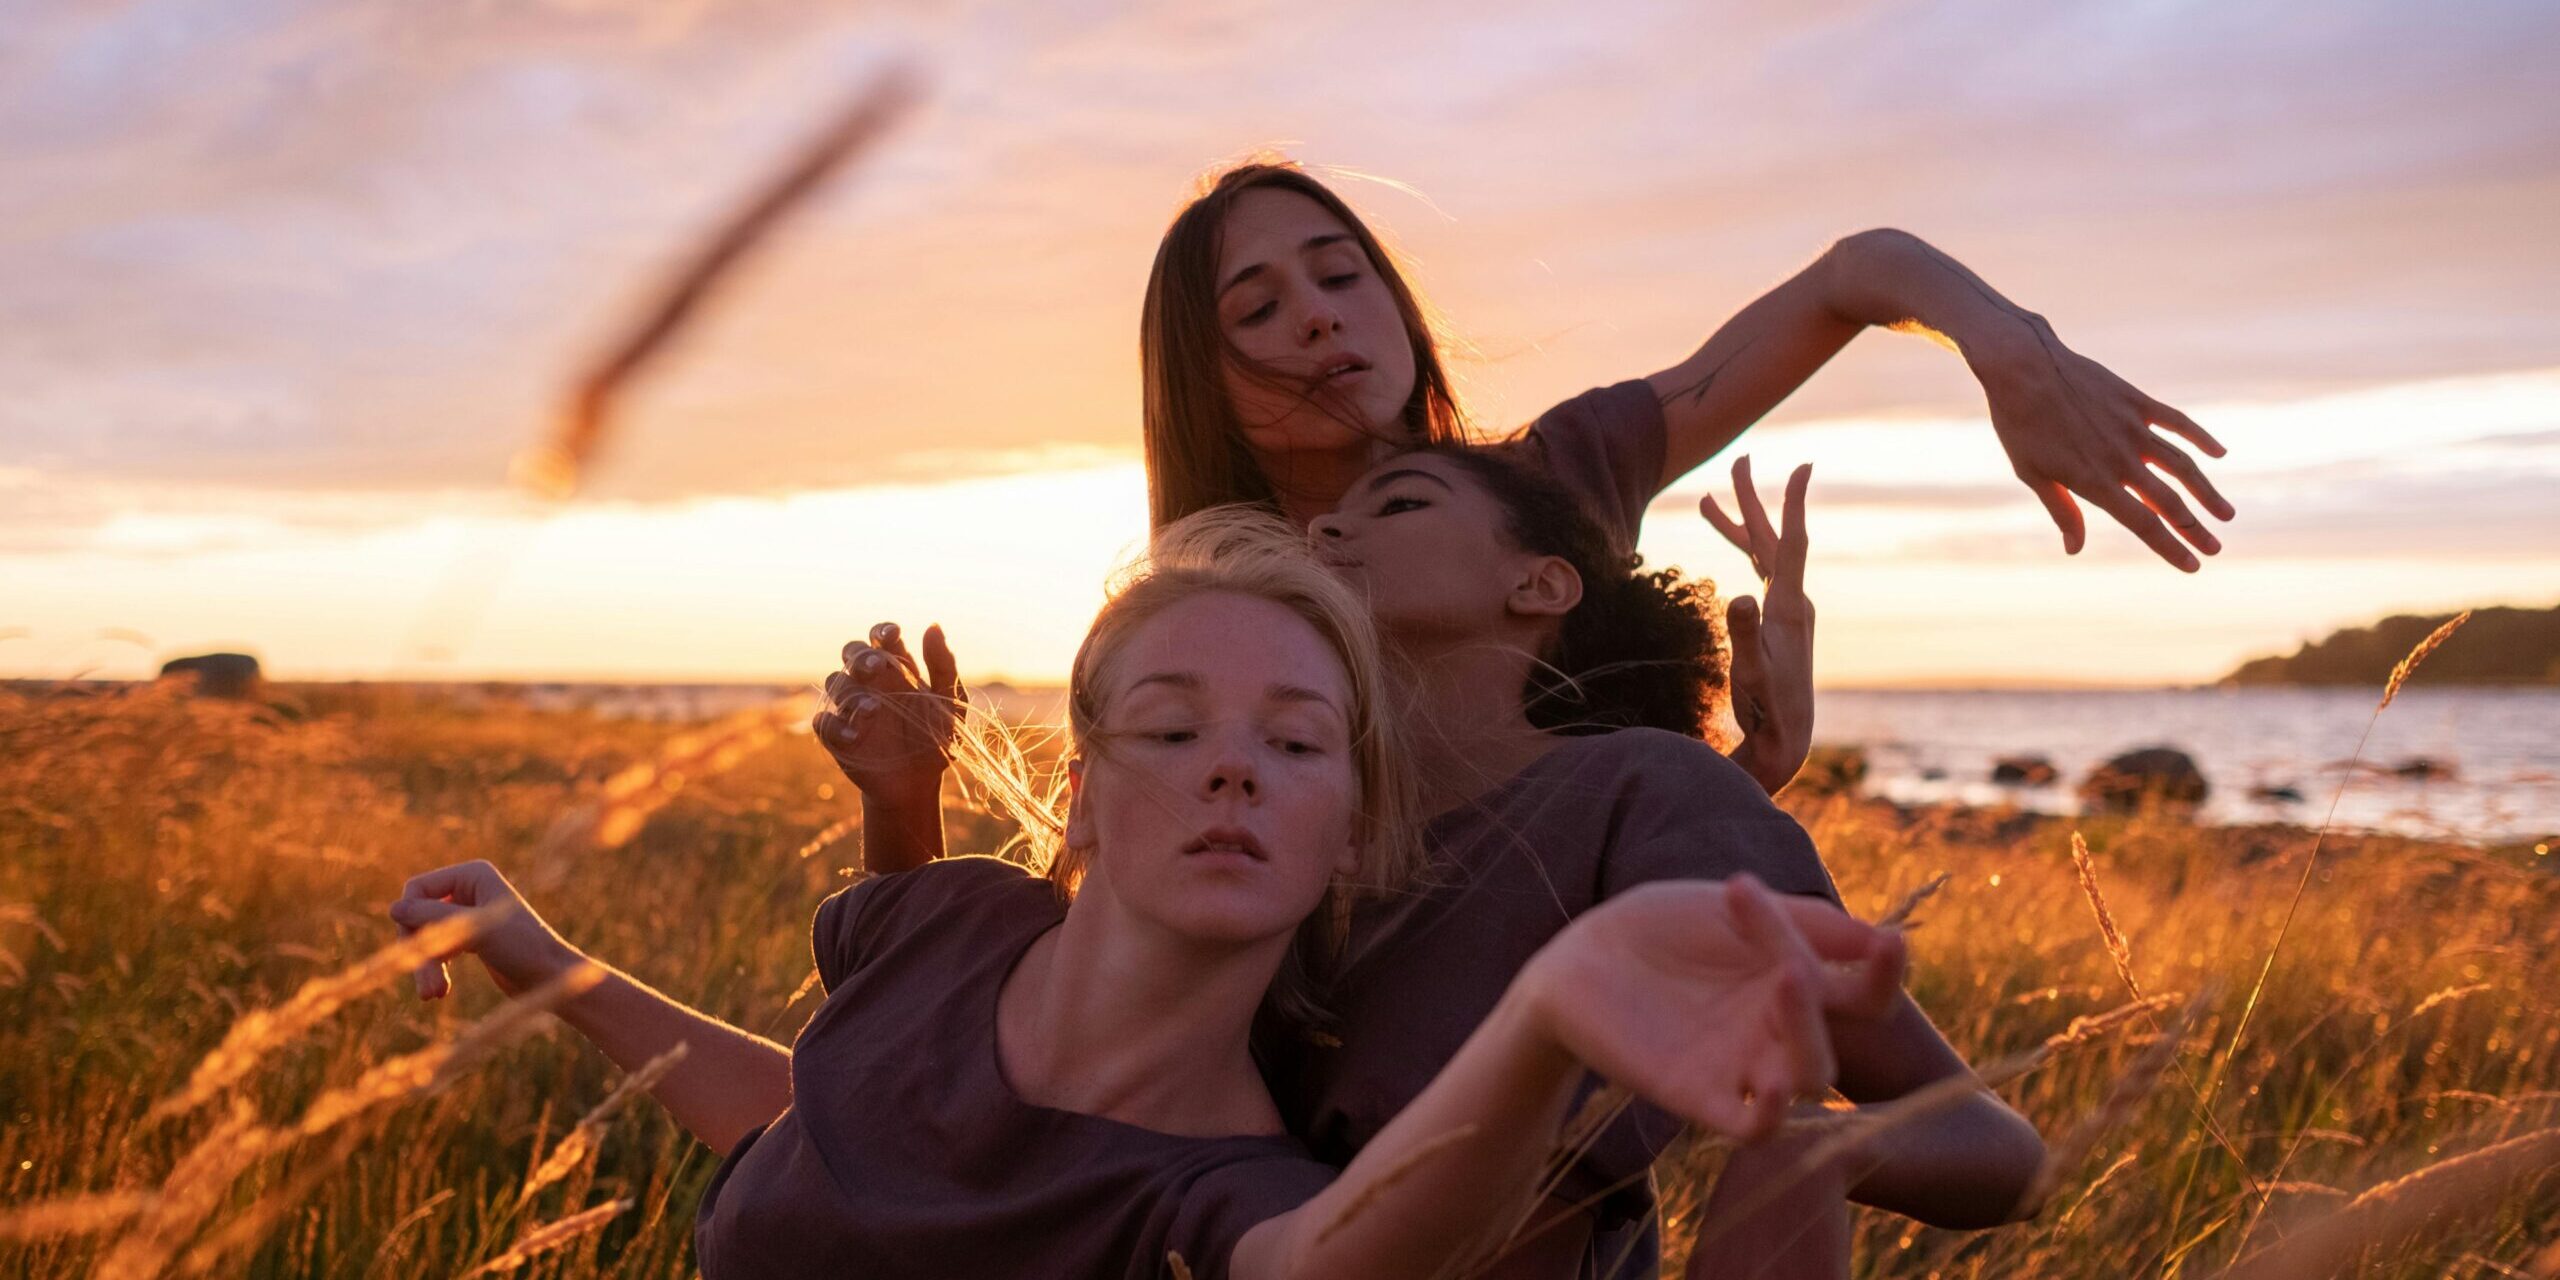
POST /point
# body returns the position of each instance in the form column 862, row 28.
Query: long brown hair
column 1196, row 455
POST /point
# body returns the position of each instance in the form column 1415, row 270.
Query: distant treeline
column 2499, row 645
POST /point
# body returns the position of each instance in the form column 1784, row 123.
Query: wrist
column 1528, row 1017
column 907, row 793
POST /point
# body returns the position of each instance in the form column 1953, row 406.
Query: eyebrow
column 1313, row 243
column 1384, row 478
column 1190, row 683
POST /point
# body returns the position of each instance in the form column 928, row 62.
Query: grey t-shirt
column 1595, row 816
column 904, row 1152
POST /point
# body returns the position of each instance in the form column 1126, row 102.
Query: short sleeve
column 1217, row 1210
column 1688, row 813
column 846, row 931
column 1606, row 446
column 856, row 922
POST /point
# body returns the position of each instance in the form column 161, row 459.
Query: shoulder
column 1606, row 446
column 1657, row 762
column 1681, row 810
column 956, row 894
column 1632, row 403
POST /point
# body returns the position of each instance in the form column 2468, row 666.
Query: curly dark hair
column 1642, row 649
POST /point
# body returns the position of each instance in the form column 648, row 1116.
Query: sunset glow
column 280, row 322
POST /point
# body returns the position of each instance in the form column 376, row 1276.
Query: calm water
column 2503, row 746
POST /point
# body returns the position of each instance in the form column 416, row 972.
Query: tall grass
column 180, row 879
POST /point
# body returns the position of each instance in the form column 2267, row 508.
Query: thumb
column 417, row 913
column 942, row 671
column 1742, row 625
column 411, row 914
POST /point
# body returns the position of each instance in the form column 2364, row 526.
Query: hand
column 1708, row 998
column 520, row 951
column 1772, row 637
column 889, row 726
column 2072, row 427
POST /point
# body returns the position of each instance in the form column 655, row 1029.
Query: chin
column 1233, row 915
column 1314, row 433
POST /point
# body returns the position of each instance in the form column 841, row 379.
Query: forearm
column 728, row 1081
column 1894, row 279
column 1446, row 1177
column 1964, row 1168
column 901, row 830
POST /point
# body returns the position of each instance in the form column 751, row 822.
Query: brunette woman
column 1014, row 1074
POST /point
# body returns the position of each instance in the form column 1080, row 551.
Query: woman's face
column 1221, row 799
column 1431, row 549
column 1302, row 303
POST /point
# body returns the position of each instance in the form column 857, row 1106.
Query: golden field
column 171, row 866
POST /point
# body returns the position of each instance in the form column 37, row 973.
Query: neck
column 1309, row 483
column 1467, row 730
column 1113, row 1016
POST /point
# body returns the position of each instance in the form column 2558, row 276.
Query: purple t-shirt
column 1606, row 446
column 1595, row 816
column 905, row 1153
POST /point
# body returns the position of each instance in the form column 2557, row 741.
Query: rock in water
column 2024, row 771
column 2164, row 775
column 216, row 675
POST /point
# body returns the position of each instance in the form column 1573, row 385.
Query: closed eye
column 1393, row 506
column 1336, row 282
column 1292, row 746
column 1258, row 314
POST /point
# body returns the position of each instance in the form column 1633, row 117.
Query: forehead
column 1265, row 223
column 1237, row 646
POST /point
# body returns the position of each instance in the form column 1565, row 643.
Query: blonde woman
column 1024, row 1074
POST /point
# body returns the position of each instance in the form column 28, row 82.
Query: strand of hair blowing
column 1641, row 650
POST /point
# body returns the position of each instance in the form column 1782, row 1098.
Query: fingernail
column 885, row 633
column 866, row 704
column 871, row 662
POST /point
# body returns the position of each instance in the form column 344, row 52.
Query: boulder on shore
column 1831, row 771
column 216, row 675
column 2160, row 775
column 2024, row 771
column 2423, row 769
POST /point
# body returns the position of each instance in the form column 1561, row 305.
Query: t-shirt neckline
column 992, row 1054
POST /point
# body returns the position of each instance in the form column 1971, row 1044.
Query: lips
column 1228, row 840
column 1340, row 366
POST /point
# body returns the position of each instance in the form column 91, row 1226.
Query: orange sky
column 286, row 284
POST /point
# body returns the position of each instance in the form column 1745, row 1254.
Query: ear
column 1348, row 865
column 1079, row 833
column 1547, row 587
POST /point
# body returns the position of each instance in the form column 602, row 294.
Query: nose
column 1230, row 775
column 1327, row 526
column 1321, row 319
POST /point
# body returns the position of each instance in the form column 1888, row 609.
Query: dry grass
column 175, row 867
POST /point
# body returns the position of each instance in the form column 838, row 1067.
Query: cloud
column 2342, row 513
column 313, row 246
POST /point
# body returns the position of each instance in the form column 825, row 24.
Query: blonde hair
column 1249, row 552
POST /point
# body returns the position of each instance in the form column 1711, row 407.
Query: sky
column 285, row 284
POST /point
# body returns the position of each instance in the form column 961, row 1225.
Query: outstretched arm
column 728, row 1082
column 1706, row 998
column 2073, row 430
